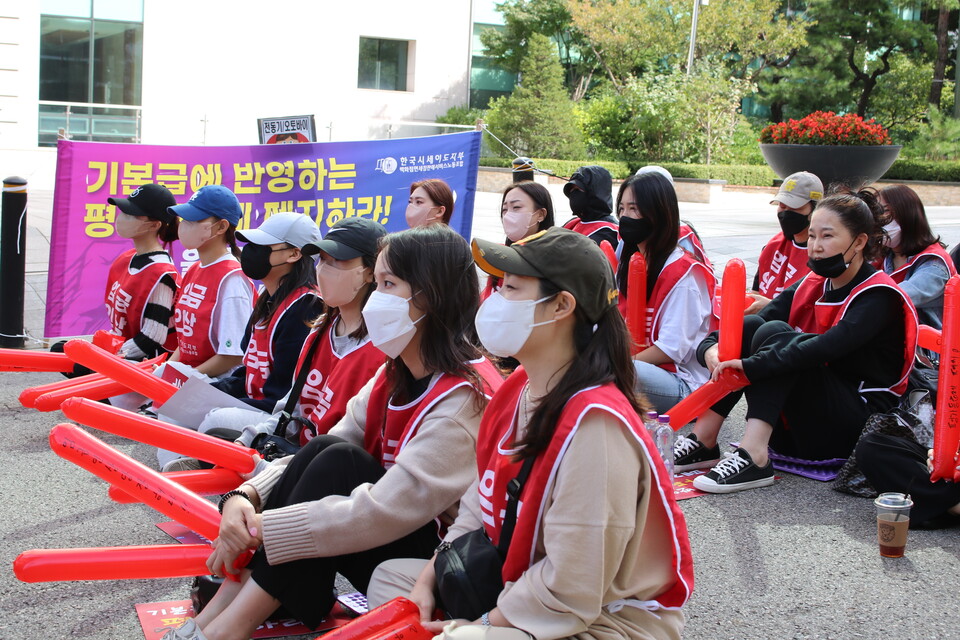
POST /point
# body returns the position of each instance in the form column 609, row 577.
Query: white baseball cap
column 295, row 229
column 798, row 189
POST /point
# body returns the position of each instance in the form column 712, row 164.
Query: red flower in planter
column 827, row 128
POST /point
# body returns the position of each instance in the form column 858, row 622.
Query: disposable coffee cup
column 893, row 521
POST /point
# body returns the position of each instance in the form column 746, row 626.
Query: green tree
column 522, row 19
column 538, row 118
column 900, row 100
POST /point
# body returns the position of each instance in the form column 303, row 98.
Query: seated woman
column 826, row 353
column 430, row 202
column 525, row 209
column 600, row 548
column 384, row 481
column 345, row 358
column 913, row 256
column 679, row 291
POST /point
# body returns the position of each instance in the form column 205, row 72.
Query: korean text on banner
column 327, row 181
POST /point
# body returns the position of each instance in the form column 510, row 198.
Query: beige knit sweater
column 431, row 473
column 596, row 544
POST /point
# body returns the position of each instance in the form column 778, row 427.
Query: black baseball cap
column 349, row 238
column 150, row 200
column 571, row 261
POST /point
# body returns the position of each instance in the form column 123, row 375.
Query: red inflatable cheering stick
column 120, row 370
column 160, row 434
column 637, row 301
column 95, row 386
column 206, row 482
column 72, row 443
column 112, row 563
column 399, row 618
column 731, row 339
column 20, row 360
column 946, row 431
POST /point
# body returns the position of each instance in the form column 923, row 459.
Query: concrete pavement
column 795, row 560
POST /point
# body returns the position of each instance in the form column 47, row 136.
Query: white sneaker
column 181, row 464
column 187, row 631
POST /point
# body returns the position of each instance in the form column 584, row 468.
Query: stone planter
column 853, row 165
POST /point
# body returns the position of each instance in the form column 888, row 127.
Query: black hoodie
column 593, row 201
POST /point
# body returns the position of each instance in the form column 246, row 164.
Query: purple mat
column 822, row 470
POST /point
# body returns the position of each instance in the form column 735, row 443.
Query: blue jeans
column 662, row 388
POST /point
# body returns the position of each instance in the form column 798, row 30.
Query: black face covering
column 831, row 267
column 255, row 260
column 792, row 222
column 635, row 231
column 579, row 202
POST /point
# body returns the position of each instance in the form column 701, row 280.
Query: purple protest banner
column 326, row 180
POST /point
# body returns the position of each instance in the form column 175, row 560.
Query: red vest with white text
column 781, row 264
column 809, row 314
column 258, row 357
column 935, row 250
column 687, row 233
column 588, row 228
column 333, row 379
column 386, row 436
column 193, row 312
column 127, row 294
column 496, row 468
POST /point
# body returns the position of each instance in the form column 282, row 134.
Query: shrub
column 461, row 115
column 906, row 169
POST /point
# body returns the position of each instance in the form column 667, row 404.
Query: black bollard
column 13, row 258
column 522, row 169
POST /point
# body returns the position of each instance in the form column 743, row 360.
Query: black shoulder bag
column 469, row 569
column 277, row 445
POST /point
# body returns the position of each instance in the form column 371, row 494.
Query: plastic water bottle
column 650, row 422
column 664, row 440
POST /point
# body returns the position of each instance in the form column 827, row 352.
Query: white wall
column 254, row 59
column 19, row 73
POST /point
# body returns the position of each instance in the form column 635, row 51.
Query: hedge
column 751, row 175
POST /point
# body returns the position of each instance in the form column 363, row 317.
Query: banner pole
column 13, row 258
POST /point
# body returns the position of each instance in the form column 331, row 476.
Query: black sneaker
column 736, row 472
column 689, row 454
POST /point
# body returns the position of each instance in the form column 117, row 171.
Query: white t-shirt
column 686, row 317
column 231, row 313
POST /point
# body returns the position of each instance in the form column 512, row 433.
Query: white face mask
column 504, row 326
column 388, row 322
column 892, row 239
column 193, row 235
column 129, row 226
column 516, row 223
column 338, row 286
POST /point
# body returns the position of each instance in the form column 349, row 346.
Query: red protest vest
column 781, row 264
column 588, row 228
column 810, row 315
column 193, row 311
column 935, row 250
column 128, row 292
column 333, row 379
column 386, row 435
column 687, row 233
column 258, row 357
column 496, row 468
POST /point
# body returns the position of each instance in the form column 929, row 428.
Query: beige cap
column 798, row 189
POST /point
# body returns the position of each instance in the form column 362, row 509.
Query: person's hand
column 257, row 459
column 240, row 525
column 930, row 460
column 222, row 561
column 712, row 358
column 727, row 364
column 436, row 626
column 759, row 302
column 423, row 597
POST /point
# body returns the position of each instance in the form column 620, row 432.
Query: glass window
column 383, row 64
column 72, row 8
column 64, row 59
column 117, row 62
column 126, row 10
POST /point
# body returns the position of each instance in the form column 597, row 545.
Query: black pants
column 897, row 464
column 329, row 466
column 816, row 414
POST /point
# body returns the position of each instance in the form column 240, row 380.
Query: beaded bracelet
column 230, row 494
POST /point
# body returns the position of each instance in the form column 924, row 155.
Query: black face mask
column 635, row 231
column 831, row 267
column 255, row 260
column 792, row 223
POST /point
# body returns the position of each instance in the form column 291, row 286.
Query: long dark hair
column 657, row 202
column 230, row 237
column 329, row 314
column 302, row 274
column 603, row 355
column 437, row 264
column 541, row 198
column 859, row 212
column 168, row 232
column 905, row 206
